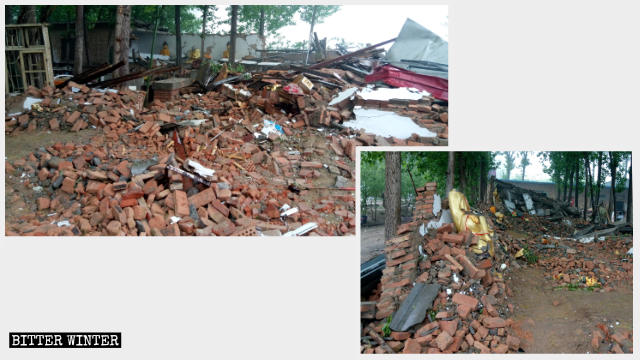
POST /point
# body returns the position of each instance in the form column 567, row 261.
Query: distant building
column 100, row 42
column 551, row 190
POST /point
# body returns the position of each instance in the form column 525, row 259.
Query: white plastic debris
column 37, row 188
column 421, row 251
column 509, row 205
column 377, row 122
column 449, row 292
column 503, row 267
column 75, row 89
column 455, row 278
column 289, row 212
column 29, row 101
column 630, row 252
column 445, row 218
column 437, row 204
column 529, row 203
column 422, row 230
column 175, row 219
column 587, row 240
column 302, row 229
column 192, row 122
column 349, row 93
column 63, row 223
column 271, row 127
column 402, row 93
column 201, row 170
column 285, row 207
column 107, row 89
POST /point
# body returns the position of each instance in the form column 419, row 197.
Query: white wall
column 245, row 44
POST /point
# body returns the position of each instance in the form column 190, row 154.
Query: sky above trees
column 364, row 23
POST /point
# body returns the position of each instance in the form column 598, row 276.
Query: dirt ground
column 567, row 327
column 19, row 199
column 372, row 242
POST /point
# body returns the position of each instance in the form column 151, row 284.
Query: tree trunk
column 392, row 194
column 589, row 185
column 261, row 30
column 586, row 183
column 122, row 38
column 78, row 55
column 577, row 195
column 85, row 30
column 630, row 196
column 450, row 171
column 205, row 11
column 568, row 197
column 598, row 184
column 484, row 169
column 234, row 30
column 45, row 12
column 565, row 182
column 27, row 14
column 613, row 165
column 461, row 171
column 313, row 24
column 178, row 37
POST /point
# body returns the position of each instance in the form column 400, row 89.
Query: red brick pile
column 620, row 342
column 469, row 315
column 75, row 107
column 90, row 189
column 605, row 261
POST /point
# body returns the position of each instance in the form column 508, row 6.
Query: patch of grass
column 529, row 256
column 386, row 330
column 431, row 314
column 576, row 287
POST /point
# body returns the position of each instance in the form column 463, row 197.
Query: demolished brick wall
column 402, row 258
column 471, row 311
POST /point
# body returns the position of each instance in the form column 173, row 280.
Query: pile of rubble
column 437, row 296
column 573, row 252
column 620, row 342
column 218, row 163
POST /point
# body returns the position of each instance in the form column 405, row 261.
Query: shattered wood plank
column 347, row 56
column 92, row 74
column 379, row 340
column 119, row 80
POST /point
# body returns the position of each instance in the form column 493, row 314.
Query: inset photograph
column 496, row 252
column 236, row 120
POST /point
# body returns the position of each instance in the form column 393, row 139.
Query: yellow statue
column 464, row 219
column 165, row 49
column 225, row 54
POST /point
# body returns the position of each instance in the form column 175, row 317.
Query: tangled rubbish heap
column 438, row 295
column 224, row 162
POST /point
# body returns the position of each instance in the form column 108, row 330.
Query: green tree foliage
column 559, row 164
column 509, row 164
column 524, row 162
column 322, row 12
column 429, row 166
column 142, row 15
column 275, row 18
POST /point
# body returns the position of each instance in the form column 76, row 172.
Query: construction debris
column 472, row 312
column 217, row 178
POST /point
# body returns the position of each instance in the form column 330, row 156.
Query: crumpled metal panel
column 417, row 43
column 414, row 308
column 398, row 77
